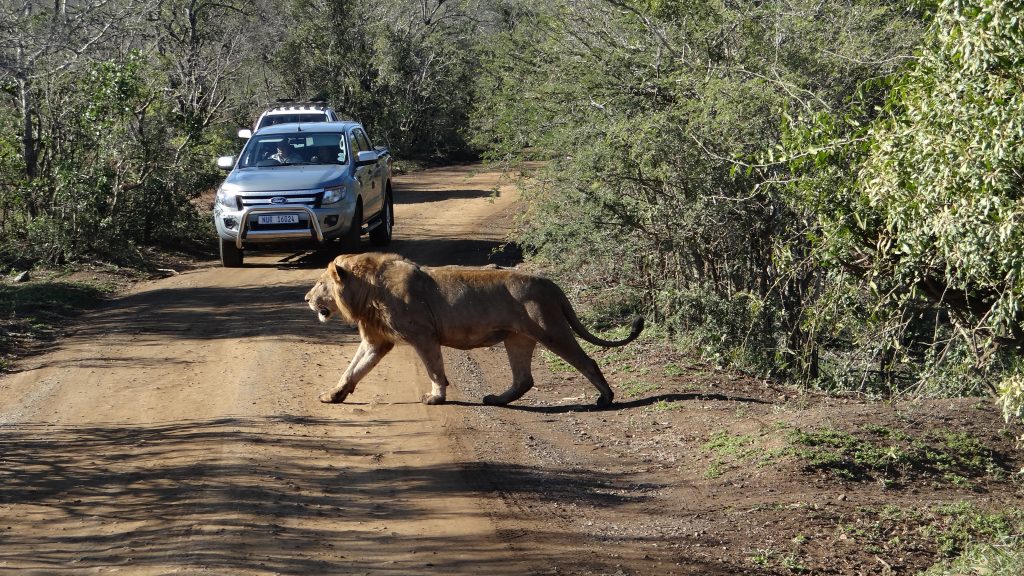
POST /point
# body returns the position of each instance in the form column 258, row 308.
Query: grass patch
column 770, row 558
column 555, row 363
column 964, row 538
column 961, row 526
column 636, row 388
column 880, row 453
column 32, row 312
column 728, row 448
column 715, row 470
column 664, row 406
column 50, row 300
column 1003, row 559
column 734, row 446
column 673, row 370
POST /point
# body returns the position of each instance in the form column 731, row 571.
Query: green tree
column 403, row 68
column 921, row 205
column 115, row 111
column 643, row 111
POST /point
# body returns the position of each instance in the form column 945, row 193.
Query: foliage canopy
column 922, row 204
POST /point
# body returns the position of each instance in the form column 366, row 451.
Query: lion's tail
column 574, row 321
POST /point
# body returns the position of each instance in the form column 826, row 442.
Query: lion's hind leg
column 569, row 349
column 520, row 356
column 367, row 356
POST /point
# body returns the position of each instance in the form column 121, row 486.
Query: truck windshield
column 295, row 148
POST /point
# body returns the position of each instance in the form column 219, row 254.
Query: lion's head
column 321, row 296
column 352, row 287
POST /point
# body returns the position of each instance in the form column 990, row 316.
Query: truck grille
column 310, row 199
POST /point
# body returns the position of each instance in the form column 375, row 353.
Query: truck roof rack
column 285, row 103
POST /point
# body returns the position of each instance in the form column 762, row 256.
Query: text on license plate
column 278, row 218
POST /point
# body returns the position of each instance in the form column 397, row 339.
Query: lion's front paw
column 431, row 399
column 332, row 398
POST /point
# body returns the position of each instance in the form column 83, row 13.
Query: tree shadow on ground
column 425, row 252
column 411, row 195
column 250, row 494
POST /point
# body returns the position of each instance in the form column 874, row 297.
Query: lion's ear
column 337, row 272
column 336, row 269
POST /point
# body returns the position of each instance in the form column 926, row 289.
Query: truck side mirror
column 226, row 162
column 366, row 157
column 245, row 133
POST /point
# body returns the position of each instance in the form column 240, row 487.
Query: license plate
column 278, row 218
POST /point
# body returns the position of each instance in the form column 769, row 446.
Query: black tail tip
column 638, row 324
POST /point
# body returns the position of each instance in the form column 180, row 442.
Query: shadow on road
column 426, row 252
column 410, row 195
column 458, row 252
column 211, row 313
column 245, row 494
column 214, row 312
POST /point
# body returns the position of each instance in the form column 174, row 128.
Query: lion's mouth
column 323, row 314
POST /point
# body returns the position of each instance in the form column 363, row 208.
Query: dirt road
column 177, row 430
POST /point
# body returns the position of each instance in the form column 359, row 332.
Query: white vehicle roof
column 295, row 111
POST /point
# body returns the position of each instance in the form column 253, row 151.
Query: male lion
column 392, row 299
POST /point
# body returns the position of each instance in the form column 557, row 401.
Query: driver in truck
column 286, row 154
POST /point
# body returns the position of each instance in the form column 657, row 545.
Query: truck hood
column 285, row 178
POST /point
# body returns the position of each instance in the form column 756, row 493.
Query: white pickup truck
column 317, row 184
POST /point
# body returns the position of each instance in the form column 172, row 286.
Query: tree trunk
column 28, row 139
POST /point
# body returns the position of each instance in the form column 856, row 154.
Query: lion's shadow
column 631, row 404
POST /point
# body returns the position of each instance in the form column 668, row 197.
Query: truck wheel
column 350, row 242
column 381, row 235
column 230, row 256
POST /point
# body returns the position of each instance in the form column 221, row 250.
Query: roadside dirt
column 177, row 430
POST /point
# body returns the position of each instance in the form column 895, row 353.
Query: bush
column 920, row 203
column 647, row 128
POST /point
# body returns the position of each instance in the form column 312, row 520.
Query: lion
column 392, row 299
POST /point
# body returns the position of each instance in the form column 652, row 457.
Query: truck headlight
column 333, row 194
column 226, row 198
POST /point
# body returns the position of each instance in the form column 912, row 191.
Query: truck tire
column 381, row 235
column 350, row 241
column 230, row 256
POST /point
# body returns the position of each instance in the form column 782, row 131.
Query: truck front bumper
column 317, row 225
